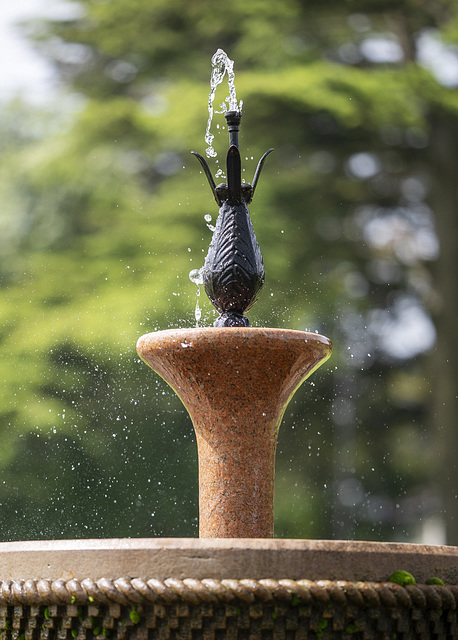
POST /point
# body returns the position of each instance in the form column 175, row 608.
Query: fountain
column 235, row 581
column 234, row 380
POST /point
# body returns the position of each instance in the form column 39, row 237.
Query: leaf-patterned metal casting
column 233, row 272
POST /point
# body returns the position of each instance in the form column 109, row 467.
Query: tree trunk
column 444, row 200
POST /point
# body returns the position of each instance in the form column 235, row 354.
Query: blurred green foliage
column 103, row 218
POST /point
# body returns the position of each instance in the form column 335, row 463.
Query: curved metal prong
column 207, row 172
column 258, row 169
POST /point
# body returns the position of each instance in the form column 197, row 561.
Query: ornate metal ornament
column 233, row 272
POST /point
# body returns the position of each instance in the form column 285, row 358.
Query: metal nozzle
column 233, row 124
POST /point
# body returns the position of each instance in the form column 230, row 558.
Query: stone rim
column 219, row 559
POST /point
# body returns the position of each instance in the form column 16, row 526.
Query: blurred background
column 102, row 219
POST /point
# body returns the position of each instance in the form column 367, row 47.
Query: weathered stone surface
column 257, row 559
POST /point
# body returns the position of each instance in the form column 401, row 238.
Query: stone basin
column 170, row 588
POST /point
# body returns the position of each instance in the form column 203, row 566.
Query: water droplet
column 196, row 276
column 198, row 312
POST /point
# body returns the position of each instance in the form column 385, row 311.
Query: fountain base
column 192, row 589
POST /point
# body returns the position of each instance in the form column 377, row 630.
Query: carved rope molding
column 124, row 591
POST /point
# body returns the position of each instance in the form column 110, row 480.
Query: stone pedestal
column 235, row 384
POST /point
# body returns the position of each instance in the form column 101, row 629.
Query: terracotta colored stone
column 235, row 384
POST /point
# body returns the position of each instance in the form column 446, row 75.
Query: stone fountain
column 235, row 581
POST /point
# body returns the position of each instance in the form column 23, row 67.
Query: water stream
column 221, row 64
column 196, row 276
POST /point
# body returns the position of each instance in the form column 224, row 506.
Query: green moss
column 402, row 578
column 353, row 627
column 134, row 616
column 323, row 623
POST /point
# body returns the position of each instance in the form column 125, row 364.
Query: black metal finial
column 233, row 272
column 233, row 119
